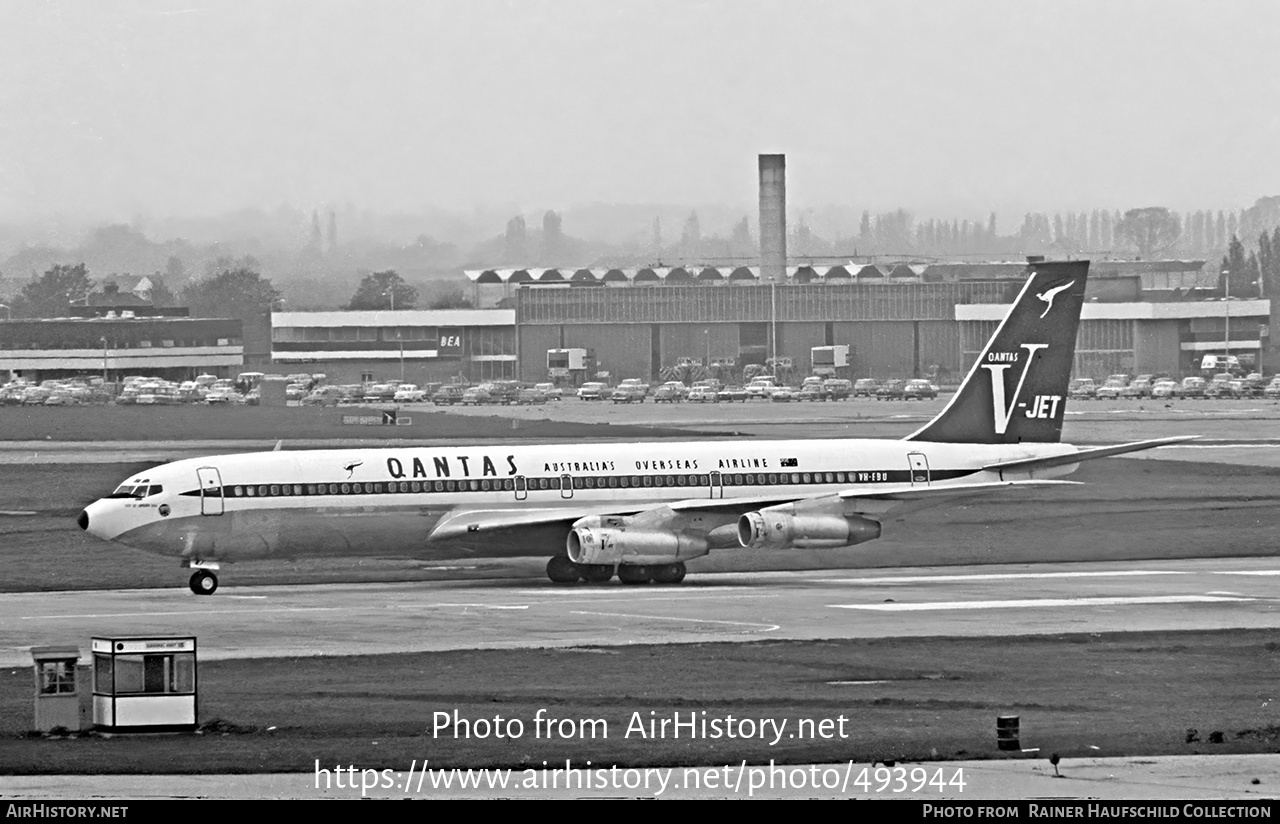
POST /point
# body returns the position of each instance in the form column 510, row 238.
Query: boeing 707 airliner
column 636, row 510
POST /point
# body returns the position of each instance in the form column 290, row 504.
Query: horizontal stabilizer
column 1085, row 454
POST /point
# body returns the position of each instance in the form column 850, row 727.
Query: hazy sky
column 109, row 109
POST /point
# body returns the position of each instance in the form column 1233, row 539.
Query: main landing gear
column 563, row 571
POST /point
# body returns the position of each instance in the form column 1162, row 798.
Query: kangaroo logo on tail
column 1049, row 294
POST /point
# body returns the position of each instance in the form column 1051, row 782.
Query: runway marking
column 17, row 512
column 438, row 606
column 1045, row 602
column 998, row 576
column 1248, row 572
column 767, row 627
column 854, row 683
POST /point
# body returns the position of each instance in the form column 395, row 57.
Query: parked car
column 1082, row 389
column 526, row 397
column 810, row 392
column 1166, row 389
column 678, row 388
column 1224, row 385
column 734, row 393
column 703, row 394
column 635, row 383
column 1272, row 390
column 1194, row 388
column 865, row 387
column 1139, row 387
column 409, row 393
column 784, row 394
column 448, row 395
column 475, row 396
column 550, row 390
column 593, row 391
column 666, row 394
column 919, row 390
column 838, row 389
column 323, row 396
column 1111, row 390
column 761, row 387
column 628, row 393
column 890, row 390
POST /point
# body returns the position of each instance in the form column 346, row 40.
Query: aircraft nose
column 83, row 520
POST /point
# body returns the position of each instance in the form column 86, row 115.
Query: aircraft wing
column 465, row 523
column 462, row 523
column 471, row 522
column 1085, row 454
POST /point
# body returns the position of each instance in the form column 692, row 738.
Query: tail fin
column 1017, row 389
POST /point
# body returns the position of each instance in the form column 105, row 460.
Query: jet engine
column 606, row 539
column 781, row 527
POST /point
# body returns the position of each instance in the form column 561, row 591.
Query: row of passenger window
column 532, row 484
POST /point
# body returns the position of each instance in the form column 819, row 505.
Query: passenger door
column 919, row 468
column 211, row 500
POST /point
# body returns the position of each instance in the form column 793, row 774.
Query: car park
column 919, row 390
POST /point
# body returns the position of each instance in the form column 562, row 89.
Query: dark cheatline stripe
column 701, row 481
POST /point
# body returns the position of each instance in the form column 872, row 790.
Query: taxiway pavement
column 362, row 619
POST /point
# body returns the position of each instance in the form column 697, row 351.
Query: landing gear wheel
column 204, row 582
column 595, row 573
column 630, row 574
column 669, row 573
column 562, row 571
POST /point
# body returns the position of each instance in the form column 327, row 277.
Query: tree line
column 233, row 288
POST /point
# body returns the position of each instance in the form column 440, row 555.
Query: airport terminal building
column 119, row 344
column 414, row 346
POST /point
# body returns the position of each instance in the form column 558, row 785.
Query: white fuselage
column 405, row 501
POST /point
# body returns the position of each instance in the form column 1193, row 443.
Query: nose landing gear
column 204, row 580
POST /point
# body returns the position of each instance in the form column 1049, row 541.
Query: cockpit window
column 138, row 491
